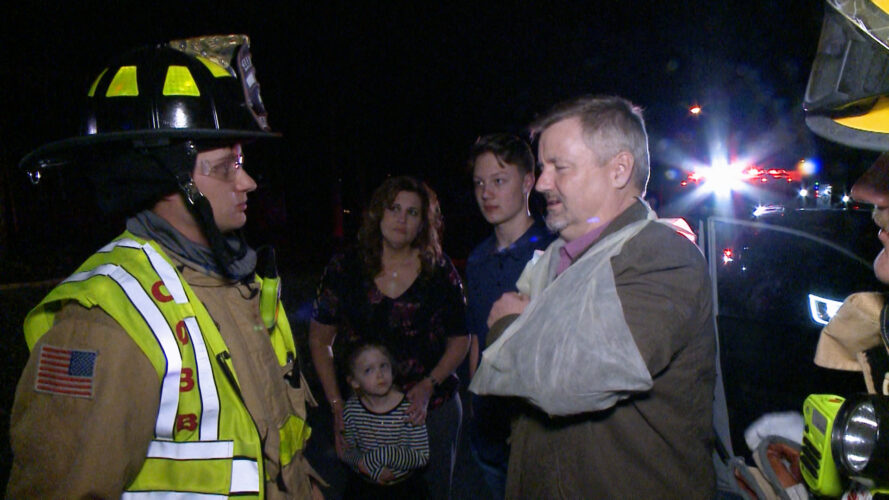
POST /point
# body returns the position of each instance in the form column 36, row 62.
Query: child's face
column 372, row 373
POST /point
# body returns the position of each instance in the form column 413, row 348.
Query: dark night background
column 365, row 90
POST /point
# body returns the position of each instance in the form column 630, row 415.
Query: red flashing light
column 727, row 255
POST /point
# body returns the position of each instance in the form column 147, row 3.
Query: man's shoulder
column 661, row 244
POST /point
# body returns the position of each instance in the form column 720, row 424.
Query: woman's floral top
column 414, row 326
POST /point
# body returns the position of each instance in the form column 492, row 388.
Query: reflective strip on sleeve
column 127, row 243
column 191, row 450
column 206, row 383
column 169, row 495
column 245, row 476
column 169, row 400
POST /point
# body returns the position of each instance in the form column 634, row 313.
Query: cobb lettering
column 187, row 421
column 159, row 295
column 181, row 332
column 186, row 380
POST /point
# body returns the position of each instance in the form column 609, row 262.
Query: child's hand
column 362, row 468
column 386, row 475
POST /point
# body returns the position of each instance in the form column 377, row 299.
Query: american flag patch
column 68, row 372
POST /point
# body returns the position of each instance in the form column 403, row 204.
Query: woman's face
column 401, row 220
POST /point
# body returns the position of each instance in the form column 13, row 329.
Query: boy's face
column 499, row 191
column 372, row 373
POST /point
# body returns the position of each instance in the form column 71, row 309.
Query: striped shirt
column 384, row 440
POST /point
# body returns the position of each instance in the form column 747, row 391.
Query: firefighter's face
column 873, row 188
column 220, row 176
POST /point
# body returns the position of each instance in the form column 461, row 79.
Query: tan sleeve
column 74, row 447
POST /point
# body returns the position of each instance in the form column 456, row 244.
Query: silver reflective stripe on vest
column 245, row 476
column 209, row 430
column 169, row 495
column 163, row 268
column 191, row 450
column 206, row 383
column 169, row 400
column 244, row 472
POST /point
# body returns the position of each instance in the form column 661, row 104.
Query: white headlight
column 859, row 436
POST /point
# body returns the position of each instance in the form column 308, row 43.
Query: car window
column 764, row 273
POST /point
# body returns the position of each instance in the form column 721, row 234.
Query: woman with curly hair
column 399, row 289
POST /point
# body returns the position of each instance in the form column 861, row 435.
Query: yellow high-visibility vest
column 205, row 442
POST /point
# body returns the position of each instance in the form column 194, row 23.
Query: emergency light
column 845, row 438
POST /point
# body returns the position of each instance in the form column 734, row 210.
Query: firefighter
column 847, row 101
column 165, row 364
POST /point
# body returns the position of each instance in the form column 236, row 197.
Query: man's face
column 221, row 178
column 579, row 192
column 499, row 191
column 873, row 188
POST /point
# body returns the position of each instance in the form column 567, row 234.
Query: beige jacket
column 67, row 447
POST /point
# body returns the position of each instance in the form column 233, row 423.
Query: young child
column 382, row 446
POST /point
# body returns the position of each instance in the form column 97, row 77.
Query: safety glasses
column 223, row 169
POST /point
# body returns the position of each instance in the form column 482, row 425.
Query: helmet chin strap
column 226, row 249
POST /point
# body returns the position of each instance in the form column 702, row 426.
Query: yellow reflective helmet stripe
column 180, row 82
column 95, row 84
column 882, row 5
column 215, row 69
column 875, row 120
column 124, row 83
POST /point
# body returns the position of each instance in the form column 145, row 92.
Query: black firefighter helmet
column 202, row 89
column 847, row 97
column 149, row 113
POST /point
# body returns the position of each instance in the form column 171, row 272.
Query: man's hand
column 508, row 303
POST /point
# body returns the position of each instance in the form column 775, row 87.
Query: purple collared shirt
column 572, row 250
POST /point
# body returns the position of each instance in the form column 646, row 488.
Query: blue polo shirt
column 491, row 273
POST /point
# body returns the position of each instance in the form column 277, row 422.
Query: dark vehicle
column 778, row 278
